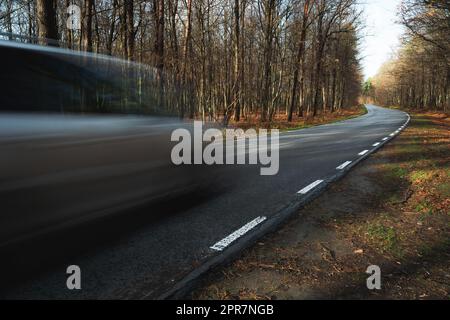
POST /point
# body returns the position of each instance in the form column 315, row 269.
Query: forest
column 225, row 60
column 418, row 76
column 216, row 60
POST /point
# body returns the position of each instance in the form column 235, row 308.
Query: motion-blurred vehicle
column 81, row 137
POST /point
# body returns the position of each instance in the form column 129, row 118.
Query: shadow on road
column 26, row 260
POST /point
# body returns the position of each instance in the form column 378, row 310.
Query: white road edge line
column 225, row 242
column 363, row 152
column 384, row 139
column 342, row 166
column 376, row 144
column 306, row 189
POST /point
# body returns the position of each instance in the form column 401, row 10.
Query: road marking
column 225, row 242
column 342, row 166
column 363, row 152
column 306, row 189
column 392, row 134
column 384, row 139
column 376, row 144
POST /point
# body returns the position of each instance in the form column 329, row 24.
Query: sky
column 382, row 34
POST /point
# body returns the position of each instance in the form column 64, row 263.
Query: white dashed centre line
column 342, row 166
column 225, row 242
column 308, row 188
column 363, row 152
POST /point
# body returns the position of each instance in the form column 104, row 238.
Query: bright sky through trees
column 383, row 34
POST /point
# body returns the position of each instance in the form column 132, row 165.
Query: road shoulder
column 391, row 211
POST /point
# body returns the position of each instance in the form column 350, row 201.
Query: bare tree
column 47, row 23
column 228, row 61
column 86, row 30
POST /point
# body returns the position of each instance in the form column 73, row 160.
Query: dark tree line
column 419, row 76
column 216, row 59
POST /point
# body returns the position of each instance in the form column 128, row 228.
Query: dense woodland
column 215, row 59
column 419, row 75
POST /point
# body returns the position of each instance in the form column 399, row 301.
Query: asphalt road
column 142, row 255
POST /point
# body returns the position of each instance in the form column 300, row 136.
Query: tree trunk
column 186, row 55
column 8, row 19
column 159, row 47
column 46, row 17
column 30, row 13
column 87, row 25
column 318, row 62
column 270, row 6
column 129, row 13
column 300, row 60
column 111, row 28
column 237, row 64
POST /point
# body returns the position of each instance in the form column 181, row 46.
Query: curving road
column 136, row 256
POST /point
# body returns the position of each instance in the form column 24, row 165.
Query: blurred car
column 80, row 139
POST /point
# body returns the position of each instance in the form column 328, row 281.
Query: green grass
column 420, row 175
column 384, row 237
column 424, row 123
column 425, row 215
column 300, row 126
column 393, row 198
column 444, row 189
column 393, row 171
column 437, row 248
column 414, row 148
column 423, row 206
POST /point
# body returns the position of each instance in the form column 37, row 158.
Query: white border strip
column 306, row 189
column 376, row 144
column 342, row 166
column 363, row 152
column 225, row 242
